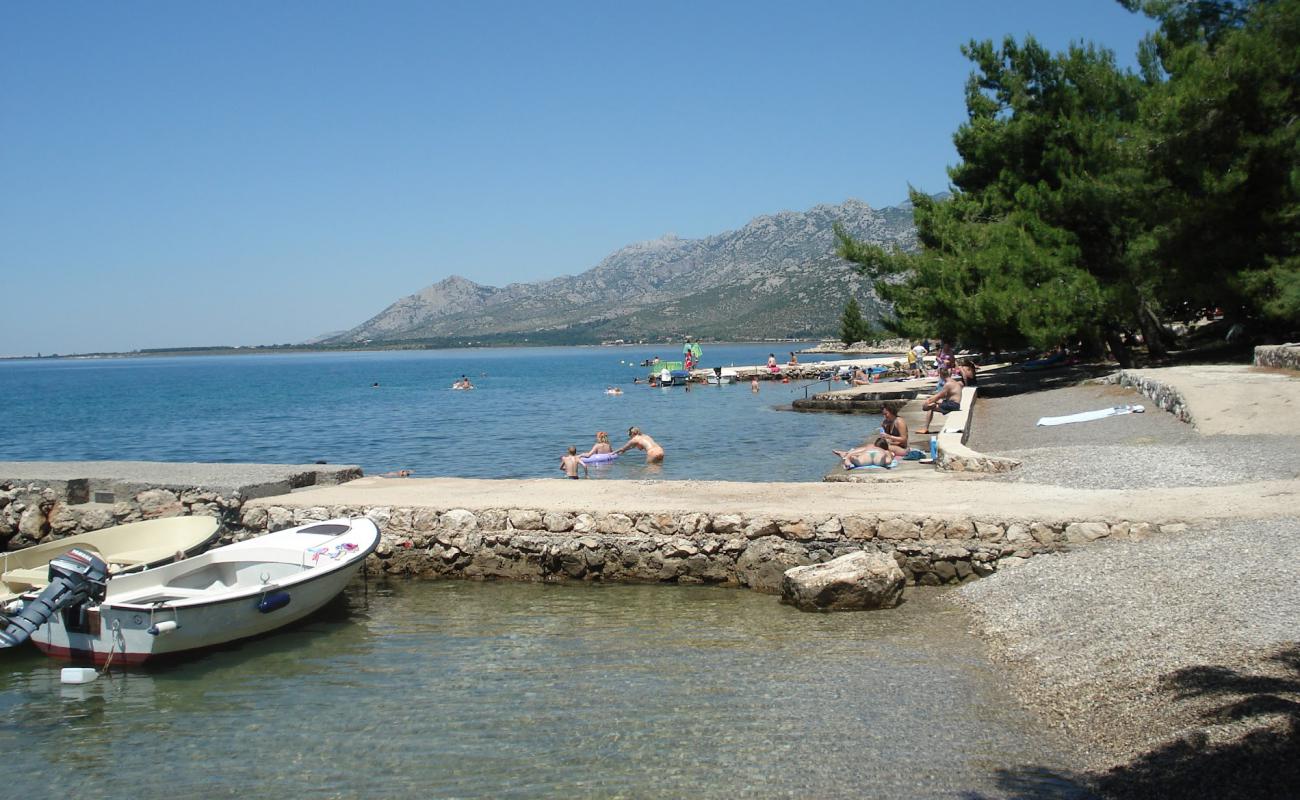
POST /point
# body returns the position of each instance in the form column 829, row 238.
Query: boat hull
column 121, row 629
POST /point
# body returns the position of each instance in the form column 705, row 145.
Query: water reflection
column 524, row 690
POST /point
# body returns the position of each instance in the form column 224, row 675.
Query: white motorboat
column 224, row 595
column 135, row 545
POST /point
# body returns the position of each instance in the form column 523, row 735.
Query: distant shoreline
column 374, row 347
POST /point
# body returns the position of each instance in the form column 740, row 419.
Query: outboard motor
column 76, row 577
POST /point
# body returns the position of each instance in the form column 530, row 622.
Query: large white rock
column 852, row 582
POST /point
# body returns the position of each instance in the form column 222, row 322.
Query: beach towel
column 1088, row 416
column 892, row 465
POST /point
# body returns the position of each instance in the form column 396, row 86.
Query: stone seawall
column 1280, row 356
column 57, row 499
column 688, row 548
column 1164, row 396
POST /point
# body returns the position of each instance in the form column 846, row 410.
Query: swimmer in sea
column 401, row 473
column 654, row 454
column 571, row 462
column 601, row 446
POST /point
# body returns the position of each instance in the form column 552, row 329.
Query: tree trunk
column 1152, row 330
column 1117, row 347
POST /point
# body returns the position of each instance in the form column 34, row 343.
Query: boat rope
column 112, row 647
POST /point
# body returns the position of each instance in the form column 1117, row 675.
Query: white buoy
column 78, row 675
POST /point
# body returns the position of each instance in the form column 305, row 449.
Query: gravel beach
column 1172, row 662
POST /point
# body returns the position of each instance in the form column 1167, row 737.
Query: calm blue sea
column 529, row 405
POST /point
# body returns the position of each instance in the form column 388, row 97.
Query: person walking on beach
column 946, row 400
column 654, row 454
column 911, row 363
column 571, row 462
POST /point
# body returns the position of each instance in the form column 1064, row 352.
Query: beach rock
column 853, row 582
column 96, row 517
column 763, row 564
column 833, row 527
column 33, row 524
column 656, row 523
column 1175, row 528
column 584, row 523
column 615, row 523
column 1079, row 532
column 526, row 519
column 424, row 520
column 944, row 571
column 1010, row 562
column 858, row 528
column 63, row 519
column 1043, row 534
column 692, row 523
column 278, row 518
column 959, row 529
column 458, row 520
column 989, row 531
column 727, row 523
column 253, row 518
column 760, row 527
column 557, row 521
column 796, row 529
column 1018, row 533
column 898, row 529
column 156, row 503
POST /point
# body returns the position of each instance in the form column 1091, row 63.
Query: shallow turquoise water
column 529, row 406
column 506, row 690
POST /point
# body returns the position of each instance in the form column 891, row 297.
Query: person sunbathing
column 868, row 455
column 945, row 401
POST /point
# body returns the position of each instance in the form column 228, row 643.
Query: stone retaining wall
column 728, row 549
column 31, row 512
column 1164, row 396
column 1281, row 356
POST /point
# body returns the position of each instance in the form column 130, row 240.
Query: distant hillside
column 778, row 276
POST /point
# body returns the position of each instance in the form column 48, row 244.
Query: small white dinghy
column 224, row 595
column 135, row 545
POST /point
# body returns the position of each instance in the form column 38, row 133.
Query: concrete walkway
column 1234, row 399
column 953, row 498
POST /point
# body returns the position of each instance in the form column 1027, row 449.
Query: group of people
column 463, row 383
column 891, row 442
column 573, row 461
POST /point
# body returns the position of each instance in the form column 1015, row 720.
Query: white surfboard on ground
column 1086, row 416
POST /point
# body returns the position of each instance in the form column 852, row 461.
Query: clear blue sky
column 176, row 174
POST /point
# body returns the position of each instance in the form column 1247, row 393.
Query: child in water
column 571, row 462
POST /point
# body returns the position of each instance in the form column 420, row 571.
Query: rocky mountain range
column 776, row 277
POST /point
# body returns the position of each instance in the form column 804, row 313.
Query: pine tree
column 853, row 326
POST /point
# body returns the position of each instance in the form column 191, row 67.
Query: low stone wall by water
column 1281, row 356
column 686, row 548
column 1164, row 396
column 63, row 499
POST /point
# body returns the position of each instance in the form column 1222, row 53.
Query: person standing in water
column 654, row 454
column 571, row 462
column 601, row 446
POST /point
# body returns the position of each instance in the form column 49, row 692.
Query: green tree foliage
column 1090, row 199
column 1222, row 151
column 853, row 326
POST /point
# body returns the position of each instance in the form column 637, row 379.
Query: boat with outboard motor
column 224, row 595
column 135, row 545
